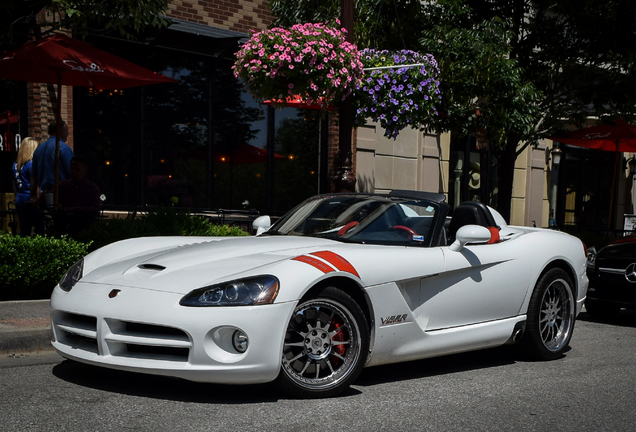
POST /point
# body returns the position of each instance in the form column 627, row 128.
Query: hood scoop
column 143, row 271
column 155, row 267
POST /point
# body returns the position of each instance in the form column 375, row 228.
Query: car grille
column 122, row 338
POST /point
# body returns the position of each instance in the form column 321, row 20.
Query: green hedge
column 30, row 267
column 161, row 221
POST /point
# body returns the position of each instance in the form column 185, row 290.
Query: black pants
column 30, row 218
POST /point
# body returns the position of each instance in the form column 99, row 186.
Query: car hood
column 183, row 268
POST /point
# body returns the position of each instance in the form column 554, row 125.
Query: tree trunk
column 506, row 170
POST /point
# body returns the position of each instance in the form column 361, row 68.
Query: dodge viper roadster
column 341, row 282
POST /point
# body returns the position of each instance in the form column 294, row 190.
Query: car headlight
column 73, row 275
column 242, row 292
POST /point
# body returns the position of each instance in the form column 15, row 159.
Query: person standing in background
column 27, row 215
column 43, row 169
column 79, row 198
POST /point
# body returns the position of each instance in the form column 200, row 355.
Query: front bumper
column 147, row 331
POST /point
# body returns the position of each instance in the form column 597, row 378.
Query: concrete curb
column 25, row 326
column 26, row 340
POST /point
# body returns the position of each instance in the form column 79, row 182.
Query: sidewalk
column 25, row 326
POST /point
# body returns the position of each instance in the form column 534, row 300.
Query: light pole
column 556, row 161
column 345, row 180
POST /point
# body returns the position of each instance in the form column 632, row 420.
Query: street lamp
column 556, row 156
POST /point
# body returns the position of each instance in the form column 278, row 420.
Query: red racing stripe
column 314, row 262
column 337, row 261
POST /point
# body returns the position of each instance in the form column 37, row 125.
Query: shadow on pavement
column 483, row 359
column 159, row 387
column 625, row 318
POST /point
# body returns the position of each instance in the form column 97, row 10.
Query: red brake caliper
column 338, row 349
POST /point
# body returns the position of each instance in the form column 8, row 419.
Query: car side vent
column 155, row 267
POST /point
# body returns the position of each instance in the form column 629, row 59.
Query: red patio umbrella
column 618, row 137
column 61, row 60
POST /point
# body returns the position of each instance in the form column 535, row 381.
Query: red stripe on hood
column 314, row 262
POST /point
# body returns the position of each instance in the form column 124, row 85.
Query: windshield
column 362, row 219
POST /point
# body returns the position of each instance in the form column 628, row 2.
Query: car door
column 480, row 283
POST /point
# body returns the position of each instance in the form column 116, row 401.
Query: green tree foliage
column 125, row 18
column 529, row 66
column 478, row 73
column 537, row 66
column 383, row 24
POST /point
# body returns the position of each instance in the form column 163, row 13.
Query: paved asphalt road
column 593, row 388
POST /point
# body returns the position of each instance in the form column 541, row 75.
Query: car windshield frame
column 367, row 219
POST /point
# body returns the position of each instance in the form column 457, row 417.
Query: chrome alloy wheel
column 322, row 345
column 556, row 315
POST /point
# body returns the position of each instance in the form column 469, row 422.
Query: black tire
column 326, row 346
column 601, row 310
column 550, row 318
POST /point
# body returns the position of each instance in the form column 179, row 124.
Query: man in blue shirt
column 43, row 167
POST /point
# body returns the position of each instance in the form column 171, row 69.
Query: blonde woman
column 27, row 215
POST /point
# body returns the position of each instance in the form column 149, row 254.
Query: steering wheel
column 405, row 228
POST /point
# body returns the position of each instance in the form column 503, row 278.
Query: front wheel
column 326, row 345
column 551, row 314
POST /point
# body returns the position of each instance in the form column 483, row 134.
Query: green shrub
column 161, row 221
column 30, row 267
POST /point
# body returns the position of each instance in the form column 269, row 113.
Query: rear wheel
column 551, row 314
column 601, row 310
column 326, row 345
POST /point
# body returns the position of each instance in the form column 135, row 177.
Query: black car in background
column 612, row 275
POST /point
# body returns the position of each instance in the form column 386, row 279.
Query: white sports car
column 341, row 282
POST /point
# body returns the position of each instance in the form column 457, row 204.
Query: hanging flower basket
column 399, row 89
column 310, row 60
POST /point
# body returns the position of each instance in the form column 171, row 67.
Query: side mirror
column 470, row 234
column 261, row 224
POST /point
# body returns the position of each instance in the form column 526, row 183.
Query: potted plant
column 310, row 60
column 399, row 89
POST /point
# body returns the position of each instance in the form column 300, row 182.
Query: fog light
column 240, row 341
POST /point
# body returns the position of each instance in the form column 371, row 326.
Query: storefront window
column 197, row 144
column 584, row 199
